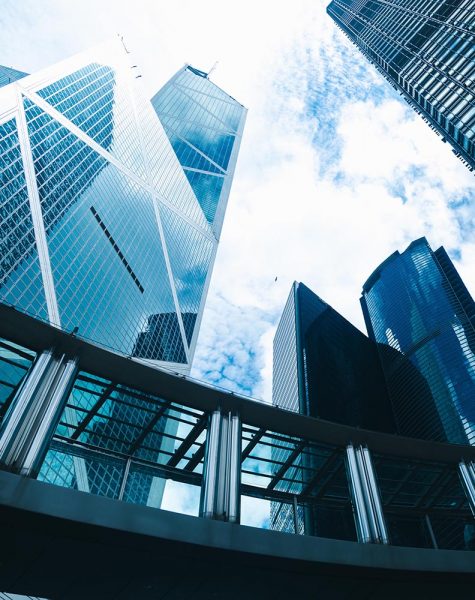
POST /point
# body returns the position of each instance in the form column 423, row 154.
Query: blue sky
column 335, row 172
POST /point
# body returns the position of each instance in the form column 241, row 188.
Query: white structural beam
column 467, row 473
column 37, row 216
column 35, row 411
column 368, row 511
column 220, row 493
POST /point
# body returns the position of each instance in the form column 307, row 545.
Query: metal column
column 467, row 473
column 34, row 413
column 220, row 493
column 234, row 480
column 368, row 510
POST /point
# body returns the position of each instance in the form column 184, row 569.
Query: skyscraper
column 325, row 368
column 9, row 75
column 415, row 303
column 203, row 124
column 103, row 233
column 426, row 50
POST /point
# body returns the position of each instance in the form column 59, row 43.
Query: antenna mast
column 213, row 68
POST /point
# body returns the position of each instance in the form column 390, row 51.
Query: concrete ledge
column 71, row 506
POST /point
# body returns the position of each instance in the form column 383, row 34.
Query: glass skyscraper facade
column 415, row 303
column 110, row 229
column 9, row 75
column 103, row 232
column 426, row 49
column 324, row 367
column 202, row 123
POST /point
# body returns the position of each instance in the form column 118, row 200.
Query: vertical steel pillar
column 34, row 413
column 369, row 517
column 467, row 473
column 234, row 481
column 220, row 492
column 296, row 515
column 210, row 469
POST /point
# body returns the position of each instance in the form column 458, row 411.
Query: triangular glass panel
column 208, row 95
column 216, row 145
column 21, row 283
column 208, row 191
column 64, row 164
column 177, row 102
column 190, row 254
column 105, row 248
column 165, row 171
column 97, row 101
column 187, row 155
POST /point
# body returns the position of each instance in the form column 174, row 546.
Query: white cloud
column 298, row 216
column 255, row 512
column 181, row 498
column 335, row 171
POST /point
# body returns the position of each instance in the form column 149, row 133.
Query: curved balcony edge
column 70, row 509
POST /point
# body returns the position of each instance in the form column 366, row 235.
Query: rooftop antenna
column 213, row 68
column 123, row 43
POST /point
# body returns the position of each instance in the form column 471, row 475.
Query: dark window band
column 117, row 249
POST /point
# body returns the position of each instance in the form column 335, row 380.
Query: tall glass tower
column 103, row 233
column 204, row 125
column 9, row 75
column 426, row 50
column 324, row 367
column 109, row 229
column 415, row 303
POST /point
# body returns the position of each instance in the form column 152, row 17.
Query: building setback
column 426, row 50
column 9, row 75
column 415, row 303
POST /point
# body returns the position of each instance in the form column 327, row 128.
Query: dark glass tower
column 426, row 50
column 415, row 303
column 325, row 367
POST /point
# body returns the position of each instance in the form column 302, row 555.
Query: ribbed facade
column 426, row 49
column 421, row 315
column 285, row 380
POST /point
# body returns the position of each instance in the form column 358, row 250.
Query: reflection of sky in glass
column 109, row 269
column 415, row 303
column 201, row 122
column 20, row 275
column 419, row 55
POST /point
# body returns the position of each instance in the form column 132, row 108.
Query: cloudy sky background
column 335, row 171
